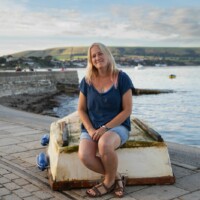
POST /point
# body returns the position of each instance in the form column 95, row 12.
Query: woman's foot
column 120, row 182
column 100, row 190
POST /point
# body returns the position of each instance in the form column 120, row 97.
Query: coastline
column 42, row 104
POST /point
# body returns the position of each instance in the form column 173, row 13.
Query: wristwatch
column 104, row 126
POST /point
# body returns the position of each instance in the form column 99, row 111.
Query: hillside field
column 66, row 53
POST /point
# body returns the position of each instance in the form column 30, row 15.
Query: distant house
column 10, row 58
column 30, row 63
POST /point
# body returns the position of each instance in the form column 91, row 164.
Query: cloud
column 127, row 22
column 161, row 24
column 22, row 22
column 141, row 25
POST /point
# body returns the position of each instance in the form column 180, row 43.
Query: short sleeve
column 83, row 87
column 124, row 83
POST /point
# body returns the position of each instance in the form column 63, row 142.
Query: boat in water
column 139, row 67
column 143, row 159
column 172, row 76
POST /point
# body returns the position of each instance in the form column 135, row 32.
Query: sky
column 41, row 24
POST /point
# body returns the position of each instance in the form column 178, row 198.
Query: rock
column 40, row 103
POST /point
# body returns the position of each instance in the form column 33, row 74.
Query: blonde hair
column 91, row 71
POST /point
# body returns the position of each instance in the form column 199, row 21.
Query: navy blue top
column 103, row 107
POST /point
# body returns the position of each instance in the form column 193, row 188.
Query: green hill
column 81, row 52
column 59, row 53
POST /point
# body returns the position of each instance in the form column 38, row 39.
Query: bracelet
column 104, row 126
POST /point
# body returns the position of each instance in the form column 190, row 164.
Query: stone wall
column 13, row 83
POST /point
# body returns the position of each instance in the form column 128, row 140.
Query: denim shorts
column 122, row 131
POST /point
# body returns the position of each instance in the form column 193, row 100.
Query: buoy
column 45, row 140
column 42, row 161
column 172, row 76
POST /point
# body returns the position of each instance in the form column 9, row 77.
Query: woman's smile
column 98, row 58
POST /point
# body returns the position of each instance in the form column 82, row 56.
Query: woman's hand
column 98, row 133
column 91, row 131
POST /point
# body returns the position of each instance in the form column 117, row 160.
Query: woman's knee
column 86, row 152
column 105, row 147
column 108, row 143
column 83, row 153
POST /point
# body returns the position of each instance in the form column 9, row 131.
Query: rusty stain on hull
column 66, row 185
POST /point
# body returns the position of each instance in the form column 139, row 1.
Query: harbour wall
column 13, row 83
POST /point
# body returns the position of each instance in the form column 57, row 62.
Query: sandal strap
column 100, row 185
column 98, row 192
column 122, row 179
column 120, row 187
column 106, row 188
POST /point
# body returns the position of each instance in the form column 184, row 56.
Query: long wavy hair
column 92, row 72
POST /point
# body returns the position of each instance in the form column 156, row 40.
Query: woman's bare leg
column 107, row 163
column 107, row 145
column 87, row 154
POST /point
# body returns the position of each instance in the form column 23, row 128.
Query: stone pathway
column 21, row 179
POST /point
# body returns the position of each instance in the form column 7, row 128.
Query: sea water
column 176, row 116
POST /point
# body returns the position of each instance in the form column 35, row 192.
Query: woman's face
column 99, row 60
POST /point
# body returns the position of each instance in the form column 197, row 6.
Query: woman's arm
column 126, row 110
column 82, row 111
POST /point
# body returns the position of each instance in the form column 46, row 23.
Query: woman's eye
column 98, row 54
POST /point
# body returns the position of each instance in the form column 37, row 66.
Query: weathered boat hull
column 144, row 159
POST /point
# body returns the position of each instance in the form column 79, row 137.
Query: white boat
column 138, row 67
column 144, row 159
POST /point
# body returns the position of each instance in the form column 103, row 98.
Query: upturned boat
column 143, row 159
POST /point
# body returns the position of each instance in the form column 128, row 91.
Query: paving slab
column 190, row 182
column 33, row 137
column 180, row 172
column 8, row 141
column 11, row 197
column 11, row 186
column 12, row 149
column 27, row 154
column 159, row 193
column 4, row 191
column 20, row 181
column 22, row 193
column 3, row 180
column 31, row 198
column 191, row 196
column 4, row 134
column 31, row 145
column 6, row 126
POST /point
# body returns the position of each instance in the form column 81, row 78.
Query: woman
column 105, row 106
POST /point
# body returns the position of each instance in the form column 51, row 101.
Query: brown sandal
column 97, row 190
column 119, row 188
